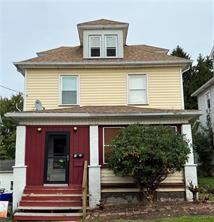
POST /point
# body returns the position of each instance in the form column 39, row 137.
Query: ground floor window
column 109, row 133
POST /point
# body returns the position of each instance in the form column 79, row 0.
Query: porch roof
column 104, row 111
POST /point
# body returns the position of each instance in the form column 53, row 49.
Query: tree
column 8, row 126
column 148, row 154
column 203, row 138
column 194, row 77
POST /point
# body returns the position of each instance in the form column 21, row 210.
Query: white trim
column 207, row 95
column 109, row 127
column 94, row 167
column 89, row 115
column 25, row 90
column 94, row 145
column 190, row 171
column 60, row 89
column 187, row 132
column 147, row 86
column 19, row 170
column 102, row 121
column 182, row 89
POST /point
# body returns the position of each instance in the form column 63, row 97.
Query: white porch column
column 94, row 169
column 19, row 170
column 190, row 170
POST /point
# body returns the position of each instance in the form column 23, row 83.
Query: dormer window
column 110, row 45
column 95, row 45
column 104, row 45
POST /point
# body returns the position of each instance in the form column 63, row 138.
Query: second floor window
column 208, row 103
column 111, row 45
column 69, row 90
column 137, row 89
column 95, row 46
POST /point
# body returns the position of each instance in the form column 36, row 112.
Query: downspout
column 181, row 82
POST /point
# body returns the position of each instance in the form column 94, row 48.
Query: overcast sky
column 29, row 26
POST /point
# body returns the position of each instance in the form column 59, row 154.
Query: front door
column 57, row 157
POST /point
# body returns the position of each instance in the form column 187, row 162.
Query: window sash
column 137, row 89
column 69, row 90
column 110, row 44
column 95, row 44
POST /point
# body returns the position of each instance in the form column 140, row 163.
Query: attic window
column 94, row 46
column 111, row 45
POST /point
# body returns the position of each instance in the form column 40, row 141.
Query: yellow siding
column 104, row 86
column 107, row 176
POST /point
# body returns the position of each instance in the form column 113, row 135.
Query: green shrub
column 148, row 154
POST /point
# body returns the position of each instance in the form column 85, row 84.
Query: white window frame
column 208, row 96
column 111, row 127
column 147, row 97
column 105, row 46
column 89, row 46
column 78, row 89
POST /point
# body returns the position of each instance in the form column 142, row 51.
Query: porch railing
column 85, row 188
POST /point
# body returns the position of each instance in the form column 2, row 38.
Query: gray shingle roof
column 6, row 165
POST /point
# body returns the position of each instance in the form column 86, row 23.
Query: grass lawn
column 177, row 219
column 206, row 184
column 206, row 181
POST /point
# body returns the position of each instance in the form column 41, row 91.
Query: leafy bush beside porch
column 148, row 154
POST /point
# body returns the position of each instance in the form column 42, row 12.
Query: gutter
column 107, row 63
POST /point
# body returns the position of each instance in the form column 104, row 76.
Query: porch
column 85, row 126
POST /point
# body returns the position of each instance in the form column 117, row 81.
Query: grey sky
column 29, row 26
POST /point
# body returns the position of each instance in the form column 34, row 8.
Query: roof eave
column 25, row 115
column 203, row 87
column 21, row 66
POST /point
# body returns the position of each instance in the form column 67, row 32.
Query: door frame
column 47, row 134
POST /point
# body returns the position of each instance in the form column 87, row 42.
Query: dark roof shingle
column 106, row 110
column 132, row 53
column 7, row 165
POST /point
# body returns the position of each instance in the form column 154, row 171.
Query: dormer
column 103, row 38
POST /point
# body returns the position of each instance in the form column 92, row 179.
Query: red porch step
column 25, row 216
column 51, row 190
column 50, row 203
column 33, row 197
column 44, row 203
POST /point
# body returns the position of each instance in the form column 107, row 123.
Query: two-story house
column 88, row 92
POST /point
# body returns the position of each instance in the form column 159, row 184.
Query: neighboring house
column 88, row 92
column 212, row 56
column 6, row 175
column 205, row 96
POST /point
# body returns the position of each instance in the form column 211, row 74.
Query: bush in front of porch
column 148, row 154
